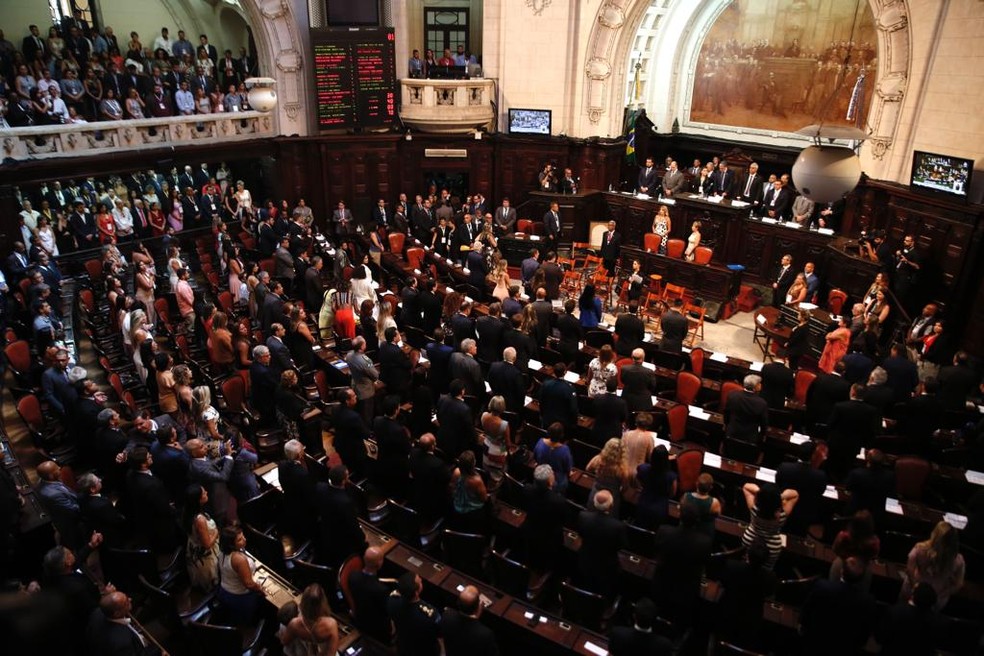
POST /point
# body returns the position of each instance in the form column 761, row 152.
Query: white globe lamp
column 262, row 94
column 826, row 173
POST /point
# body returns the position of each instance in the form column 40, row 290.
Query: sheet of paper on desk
column 766, row 474
column 975, row 477
column 610, row 329
column 761, row 319
column 893, row 506
column 417, row 271
column 466, row 271
column 272, row 477
column 488, row 388
column 687, row 350
column 861, row 454
column 535, row 365
column 792, row 224
column 766, row 219
column 825, row 231
column 658, row 441
column 580, row 345
column 668, row 201
column 739, row 203
column 714, row 199
column 527, row 400
column 955, row 520
column 831, row 492
column 534, row 237
column 595, row 649
column 618, row 392
column 799, row 438
column 571, row 377
column 649, row 365
column 712, row 460
column 807, row 306
column 719, row 357
column 697, row 412
column 756, row 366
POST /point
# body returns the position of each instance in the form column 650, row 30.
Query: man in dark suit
column 169, row 459
column 340, row 534
column 465, row 367
column 553, row 276
column 267, row 241
column 551, row 226
column 351, row 432
column 34, row 44
column 878, row 394
column 280, row 359
column 477, row 272
column 777, row 202
column 507, row 381
column 109, row 630
column 529, row 266
column 98, row 513
column 462, row 325
column 298, row 486
column 746, row 414
column 213, row 475
column 638, row 384
column 313, row 288
column 83, row 227
column 602, row 537
column 504, row 219
column 490, row 329
column 463, row 632
column 439, row 355
column 263, row 385
column 611, row 246
column 749, row 190
column 922, row 413
column 639, row 640
column 17, row 264
column 545, row 511
column 647, row 182
column 456, row 425
column 394, row 364
column 826, row 391
column 430, row 307
column 674, row 326
column 422, row 221
column 957, row 382
column 525, row 345
column 810, row 482
column 153, row 513
column 201, row 81
column 723, row 180
column 913, row 627
column 213, row 53
column 684, row 552
column 783, row 281
column 610, row 414
column 60, row 394
column 777, row 384
column 462, row 238
column 837, row 616
column 558, row 399
column 369, row 597
column 391, row 474
column 630, row 331
column 380, row 215
column 544, row 317
column 852, row 424
column 431, row 476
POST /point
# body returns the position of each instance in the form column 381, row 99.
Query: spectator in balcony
column 159, row 102
column 45, row 83
column 134, row 104
column 39, row 107
column 243, row 96
column 232, row 102
column 93, row 88
column 181, row 46
column 109, row 107
column 246, row 64
column 115, row 58
column 157, row 219
column 446, row 59
column 201, row 102
column 205, row 63
column 184, row 101
column 164, row 42
column 228, row 69
column 73, row 90
column 56, row 45
column 203, row 43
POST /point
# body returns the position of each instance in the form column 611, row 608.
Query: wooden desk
column 493, row 601
column 546, row 626
column 277, row 590
column 714, row 282
column 413, row 561
column 378, row 539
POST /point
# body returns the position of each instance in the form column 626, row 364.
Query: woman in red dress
column 104, row 222
column 837, row 341
column 157, row 219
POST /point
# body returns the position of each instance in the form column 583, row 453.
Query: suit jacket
column 683, row 554
column 957, row 382
column 489, row 330
column 466, row 368
column 341, row 535
column 798, row 343
column 504, row 219
column 392, row 471
column 280, row 360
column 746, row 415
column 647, row 179
column 272, row 312
column 558, row 402
column 284, row 264
column 826, row 391
column 525, row 345
column 267, row 240
column 364, row 375
column 58, row 392
column 32, row 45
column 429, row 491
column 784, row 279
column 755, row 194
column 171, row 467
column 610, row 413
column 836, row 618
column 852, row 424
column 638, row 387
column 784, row 202
column 439, row 375
column 381, row 217
column 466, row 636
column 203, row 82
column 630, row 331
column 629, row 641
column 107, row 637
column 313, row 290
column 462, row 327
column 430, row 309
column 507, row 381
column 351, row 432
column 151, row 504
column 674, row 326
column 263, row 384
column 611, row 246
column 544, row 318
column 551, row 224
column 777, row 384
column 673, row 182
column 456, row 432
column 553, row 276
column 811, row 484
column 602, row 536
column 214, row 476
column 723, row 182
column 903, row 376
column 477, row 272
column 394, row 368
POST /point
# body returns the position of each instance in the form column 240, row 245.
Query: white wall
column 16, row 15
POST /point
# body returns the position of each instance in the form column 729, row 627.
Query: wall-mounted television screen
column 345, row 13
column 941, row 174
column 529, row 121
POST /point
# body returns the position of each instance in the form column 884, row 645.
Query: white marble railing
column 447, row 106
column 49, row 141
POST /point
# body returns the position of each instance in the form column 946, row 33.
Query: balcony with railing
column 86, row 139
column 447, row 106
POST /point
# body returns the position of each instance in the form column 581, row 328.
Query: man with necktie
column 505, row 218
column 141, row 222
column 750, row 189
column 647, row 177
column 783, row 281
column 379, row 214
column 551, row 225
column 611, row 245
column 34, row 44
column 672, row 180
column 568, row 184
column 723, row 179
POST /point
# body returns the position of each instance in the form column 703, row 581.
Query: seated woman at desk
column 797, row 291
column 239, row 593
column 314, row 630
column 693, row 241
column 662, row 226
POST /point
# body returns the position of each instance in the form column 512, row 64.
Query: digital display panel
column 354, row 77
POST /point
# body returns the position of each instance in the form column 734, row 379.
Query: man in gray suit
column 364, row 377
column 674, row 326
column 284, row 262
column 673, row 180
column 213, row 475
column 505, row 218
column 465, row 367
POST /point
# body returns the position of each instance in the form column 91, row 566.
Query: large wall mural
column 773, row 64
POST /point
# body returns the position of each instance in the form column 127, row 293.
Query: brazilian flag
column 630, row 123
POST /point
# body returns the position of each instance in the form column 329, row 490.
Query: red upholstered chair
column 835, row 301
column 268, row 265
column 911, row 476
column 651, row 242
column 676, row 417
column 675, row 248
column 351, row 565
column 801, row 384
column 697, row 361
column 396, row 242
column 415, row 257
column 688, row 465
column 727, row 388
column 687, row 388
column 538, row 228
column 621, row 362
column 702, row 255
column 525, row 226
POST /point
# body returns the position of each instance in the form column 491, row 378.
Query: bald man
column 602, row 536
column 61, row 503
column 464, row 634
column 369, row 597
column 110, row 630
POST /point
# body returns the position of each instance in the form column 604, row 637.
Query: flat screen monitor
column 941, row 174
column 529, row 121
column 353, row 13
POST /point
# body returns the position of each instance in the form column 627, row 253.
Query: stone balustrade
column 50, row 141
column 447, row 106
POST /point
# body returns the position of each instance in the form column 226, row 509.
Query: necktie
column 748, row 187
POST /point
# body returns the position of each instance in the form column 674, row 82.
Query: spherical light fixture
column 825, row 174
column 262, row 95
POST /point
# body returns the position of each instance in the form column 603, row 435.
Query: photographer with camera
column 872, row 246
column 547, row 178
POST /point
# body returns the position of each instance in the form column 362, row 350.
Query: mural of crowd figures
column 772, row 64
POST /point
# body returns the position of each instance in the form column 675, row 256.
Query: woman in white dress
column 693, row 241
column 46, row 237
column 174, row 263
column 500, row 277
column 362, row 290
column 662, row 226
